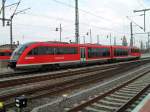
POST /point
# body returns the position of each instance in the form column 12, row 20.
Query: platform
column 144, row 106
column 145, row 55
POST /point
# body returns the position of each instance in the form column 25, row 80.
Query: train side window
column 98, row 52
column 50, row 50
column 73, row 50
column 117, row 52
column 106, row 52
column 89, row 52
column 7, row 54
column 1, row 54
column 33, row 52
column 10, row 54
column 58, row 51
column 135, row 50
column 42, row 50
column 66, row 50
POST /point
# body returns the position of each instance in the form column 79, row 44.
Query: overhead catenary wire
column 135, row 23
column 139, row 2
column 67, row 20
column 70, row 21
column 87, row 12
column 86, row 24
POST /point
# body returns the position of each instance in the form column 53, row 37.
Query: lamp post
column 90, row 35
column 60, row 32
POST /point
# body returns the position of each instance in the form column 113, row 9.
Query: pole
column 131, row 40
column 3, row 12
column 110, row 38
column 144, row 22
column 97, row 39
column 143, row 10
column 11, row 34
column 148, row 42
column 90, row 36
column 76, row 22
column 60, row 30
column 114, row 40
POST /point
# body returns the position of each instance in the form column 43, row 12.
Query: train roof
column 64, row 43
column 75, row 44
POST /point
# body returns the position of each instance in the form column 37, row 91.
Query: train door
column 82, row 54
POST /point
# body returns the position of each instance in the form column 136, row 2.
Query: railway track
column 29, row 72
column 117, row 99
column 42, row 89
column 50, row 88
column 137, row 101
column 30, row 77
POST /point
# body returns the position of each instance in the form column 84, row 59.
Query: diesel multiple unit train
column 54, row 54
column 5, row 54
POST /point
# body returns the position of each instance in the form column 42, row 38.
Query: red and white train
column 50, row 54
column 5, row 54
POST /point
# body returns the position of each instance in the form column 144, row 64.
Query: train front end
column 15, row 56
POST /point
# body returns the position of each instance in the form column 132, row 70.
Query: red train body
column 49, row 54
column 5, row 54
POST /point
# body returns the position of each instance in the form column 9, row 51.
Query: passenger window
column 98, row 52
column 50, row 50
column 66, row 50
column 7, row 54
column 33, row 52
column 1, row 54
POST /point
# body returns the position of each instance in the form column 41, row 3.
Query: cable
column 139, row 2
column 87, row 12
column 70, row 21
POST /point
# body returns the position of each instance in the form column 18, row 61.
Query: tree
column 124, row 41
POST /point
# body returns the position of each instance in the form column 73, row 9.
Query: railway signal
column 21, row 102
column 60, row 31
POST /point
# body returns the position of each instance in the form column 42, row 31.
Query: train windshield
column 18, row 52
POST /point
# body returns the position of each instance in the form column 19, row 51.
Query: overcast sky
column 102, row 16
